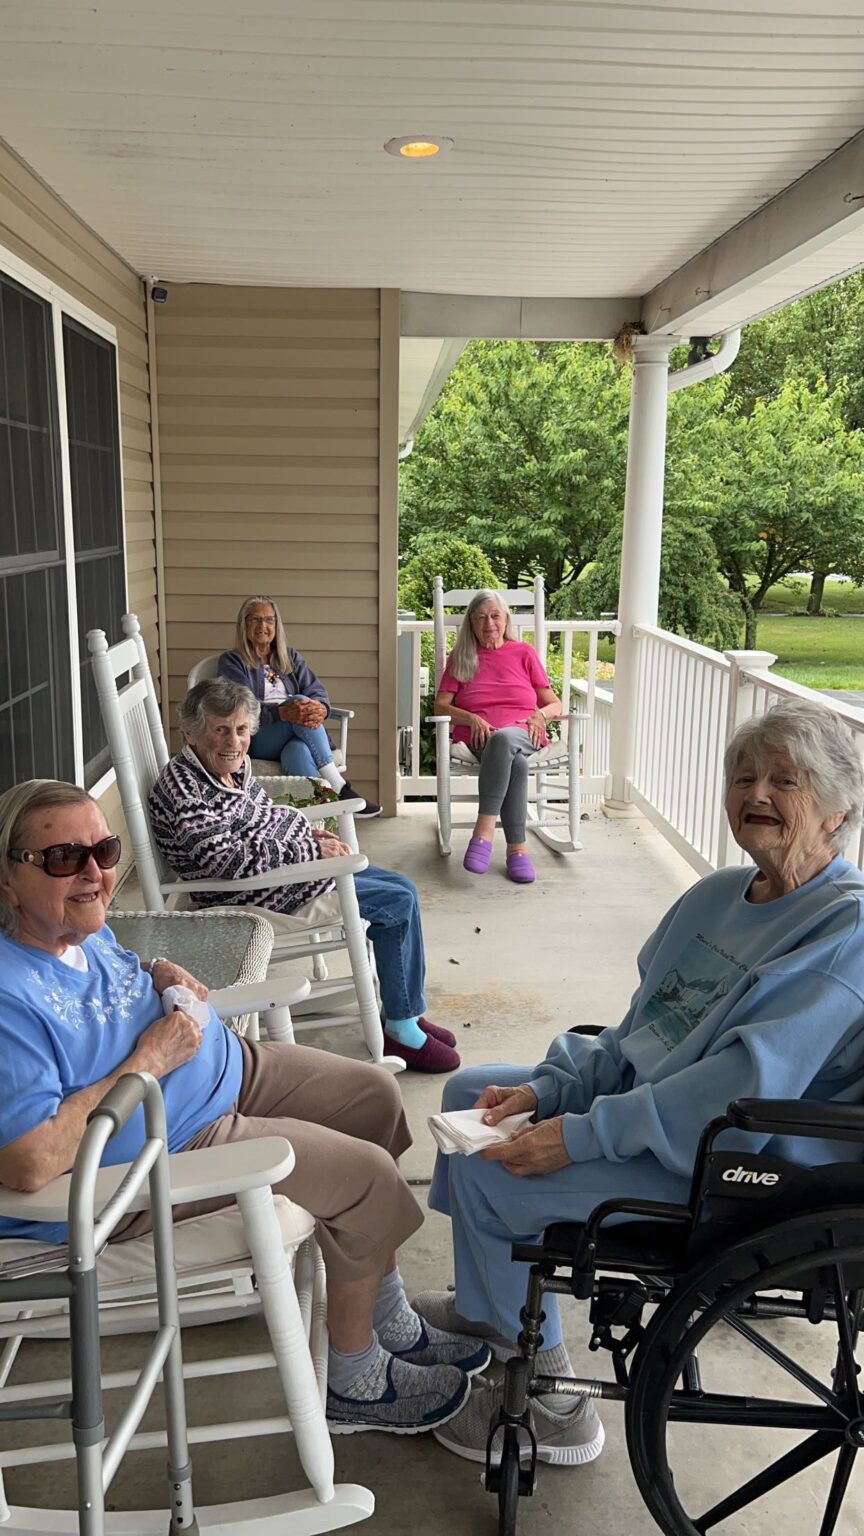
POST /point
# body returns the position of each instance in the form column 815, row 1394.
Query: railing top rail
column 553, row 626
column 651, row 632
column 773, row 683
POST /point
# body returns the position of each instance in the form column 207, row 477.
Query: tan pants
column 347, row 1126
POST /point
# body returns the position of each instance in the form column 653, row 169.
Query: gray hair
column 462, row 661
column 820, row 743
column 279, row 648
column 218, row 697
column 15, row 806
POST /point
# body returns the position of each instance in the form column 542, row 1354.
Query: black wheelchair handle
column 121, row 1101
column 798, row 1117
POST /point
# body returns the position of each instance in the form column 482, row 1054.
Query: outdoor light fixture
column 414, row 146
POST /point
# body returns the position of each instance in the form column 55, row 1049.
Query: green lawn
column 839, row 597
column 821, row 653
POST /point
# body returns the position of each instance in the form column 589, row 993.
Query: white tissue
column 183, row 998
column 462, row 1130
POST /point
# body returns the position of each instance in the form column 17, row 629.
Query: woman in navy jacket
column 294, row 703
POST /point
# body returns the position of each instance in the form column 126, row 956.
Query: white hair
column 218, row 697
column 820, row 744
column 462, row 661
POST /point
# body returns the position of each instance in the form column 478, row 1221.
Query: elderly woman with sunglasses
column 293, row 701
column 77, row 1011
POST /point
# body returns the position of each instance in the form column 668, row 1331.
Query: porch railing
column 690, row 699
column 583, row 693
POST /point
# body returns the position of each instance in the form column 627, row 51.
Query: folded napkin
column 462, row 1130
column 185, row 999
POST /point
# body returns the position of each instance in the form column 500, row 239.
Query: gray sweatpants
column 503, row 786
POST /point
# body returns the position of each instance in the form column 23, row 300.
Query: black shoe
column 369, row 806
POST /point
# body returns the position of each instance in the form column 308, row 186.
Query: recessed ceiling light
column 415, row 146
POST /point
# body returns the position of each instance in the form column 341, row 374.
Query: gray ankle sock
column 361, row 1375
column 555, row 1362
column 396, row 1323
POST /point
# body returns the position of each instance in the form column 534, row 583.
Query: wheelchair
column 763, row 1251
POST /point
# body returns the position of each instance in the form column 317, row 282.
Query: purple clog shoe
column 478, row 855
column 520, row 869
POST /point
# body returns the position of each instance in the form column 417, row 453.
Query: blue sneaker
column 415, row 1399
column 434, row 1347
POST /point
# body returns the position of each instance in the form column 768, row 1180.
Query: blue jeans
column 301, row 749
column 391, row 906
column 489, row 1209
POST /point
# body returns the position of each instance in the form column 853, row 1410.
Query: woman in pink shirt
column 498, row 696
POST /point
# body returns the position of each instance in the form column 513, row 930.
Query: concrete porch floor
column 508, row 968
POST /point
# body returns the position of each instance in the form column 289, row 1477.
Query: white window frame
column 63, row 303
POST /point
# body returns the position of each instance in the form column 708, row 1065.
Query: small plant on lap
column 318, row 793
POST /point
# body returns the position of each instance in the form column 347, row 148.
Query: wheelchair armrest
column 586, row 1029
column 798, row 1117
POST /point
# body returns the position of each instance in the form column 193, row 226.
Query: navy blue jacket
column 301, row 681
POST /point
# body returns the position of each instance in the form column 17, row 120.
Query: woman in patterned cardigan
column 211, row 818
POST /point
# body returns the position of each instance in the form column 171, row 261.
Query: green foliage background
column 524, row 456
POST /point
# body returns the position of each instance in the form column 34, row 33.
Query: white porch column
column 640, row 550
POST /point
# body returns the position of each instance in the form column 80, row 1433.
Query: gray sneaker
column 570, row 1439
column 439, row 1309
column 415, row 1398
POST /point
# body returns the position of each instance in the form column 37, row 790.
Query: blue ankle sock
column 407, row 1032
column 363, row 1374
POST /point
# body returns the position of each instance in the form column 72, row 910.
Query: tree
column 694, row 600
column 523, row 455
column 793, row 494
column 818, row 339
column 441, row 554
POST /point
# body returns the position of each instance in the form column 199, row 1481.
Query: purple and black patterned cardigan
column 205, row 830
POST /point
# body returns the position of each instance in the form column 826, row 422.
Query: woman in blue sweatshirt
column 752, row 986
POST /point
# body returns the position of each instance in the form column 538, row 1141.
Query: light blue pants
column 489, row 1209
column 301, row 749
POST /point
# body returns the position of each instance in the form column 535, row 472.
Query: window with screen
column 36, row 738
column 62, row 564
column 97, row 515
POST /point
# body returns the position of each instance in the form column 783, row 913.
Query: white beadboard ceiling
column 598, row 147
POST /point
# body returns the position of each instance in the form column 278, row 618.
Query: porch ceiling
column 599, row 147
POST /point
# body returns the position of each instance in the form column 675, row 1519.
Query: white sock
column 331, row 775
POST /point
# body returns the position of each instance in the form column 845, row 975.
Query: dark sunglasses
column 64, row 859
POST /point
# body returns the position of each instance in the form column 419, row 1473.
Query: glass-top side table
column 221, row 949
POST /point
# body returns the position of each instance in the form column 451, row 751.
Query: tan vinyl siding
column 269, row 413
column 38, row 228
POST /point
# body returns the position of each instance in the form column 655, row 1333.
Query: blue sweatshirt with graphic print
column 737, row 999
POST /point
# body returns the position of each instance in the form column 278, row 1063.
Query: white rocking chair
column 139, row 752
column 554, row 800
column 259, row 1253
column 262, row 767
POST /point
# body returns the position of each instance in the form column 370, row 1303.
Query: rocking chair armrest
column 340, row 714
column 200, row 1175
column 287, row 874
column 322, row 809
column 438, row 720
column 253, row 996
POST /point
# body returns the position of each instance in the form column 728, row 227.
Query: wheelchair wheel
column 508, row 1487
column 746, row 1323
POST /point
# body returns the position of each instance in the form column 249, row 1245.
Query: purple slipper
column 434, row 1056
column 520, row 869
column 437, row 1032
column 478, row 856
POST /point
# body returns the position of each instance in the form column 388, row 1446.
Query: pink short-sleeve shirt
column 503, row 689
